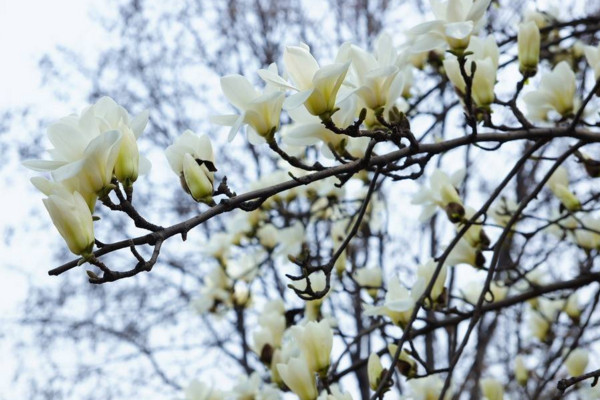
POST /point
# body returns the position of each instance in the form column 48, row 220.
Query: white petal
column 139, row 122
column 459, row 30
column 224, row 120
column 43, row 165
column 296, row 100
column 238, row 90
column 274, row 79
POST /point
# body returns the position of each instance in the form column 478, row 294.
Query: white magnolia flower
column 424, row 276
column 290, row 240
column 218, row 245
column 241, row 294
column 339, row 231
column 528, row 40
column 539, row 325
column 572, row 308
column 249, row 388
column 216, row 290
column 73, row 220
column 374, row 371
column 260, row 111
column 90, row 147
column 307, row 130
column 398, row 304
column 559, row 185
column 272, row 325
column 503, row 210
column 592, row 55
column 492, row 389
column 197, row 390
column 577, row 361
column 456, row 21
column 441, row 193
column 485, row 56
column 268, row 236
column 521, row 371
column 191, row 158
column 472, row 291
column 378, row 78
column 71, row 185
column 317, row 86
column 428, row 388
column 315, row 340
column 555, row 93
column 475, row 234
column 299, row 378
column 369, row 278
column 464, row 253
column 588, row 235
column 336, row 394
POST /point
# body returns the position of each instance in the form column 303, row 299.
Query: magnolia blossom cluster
column 330, row 105
column 92, row 150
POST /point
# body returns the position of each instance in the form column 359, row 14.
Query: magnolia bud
column 197, row 179
column 492, row 389
column 521, row 371
column 577, row 361
column 299, row 378
column 374, row 370
column 73, row 219
column 192, row 159
column 455, row 212
column 315, row 340
column 529, row 48
column 128, row 160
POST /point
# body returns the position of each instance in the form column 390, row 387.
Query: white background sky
column 29, row 29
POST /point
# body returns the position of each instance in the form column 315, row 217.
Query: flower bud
column 73, row 219
column 491, row 389
column 315, row 340
column 191, row 158
column 577, row 361
column 521, row 371
column 241, row 294
column 268, row 236
column 559, row 185
column 529, row 48
column 572, row 307
column 196, row 179
column 370, row 278
column 128, row 159
column 299, row 378
column 374, row 370
column 592, row 55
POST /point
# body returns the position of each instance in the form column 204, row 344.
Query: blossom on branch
column 260, row 111
column 484, row 56
column 73, row 219
column 556, row 93
column 191, row 158
column 91, row 147
column 456, row 21
column 441, row 193
column 317, row 87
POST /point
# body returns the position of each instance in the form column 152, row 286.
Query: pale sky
column 28, row 30
column 31, row 28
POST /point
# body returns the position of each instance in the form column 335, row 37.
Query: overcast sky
column 29, row 29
